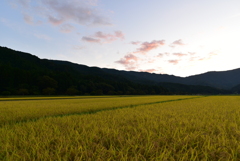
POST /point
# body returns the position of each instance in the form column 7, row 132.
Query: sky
column 175, row 37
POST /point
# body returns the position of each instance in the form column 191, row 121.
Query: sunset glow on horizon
column 177, row 37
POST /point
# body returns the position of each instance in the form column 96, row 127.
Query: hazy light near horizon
column 172, row 37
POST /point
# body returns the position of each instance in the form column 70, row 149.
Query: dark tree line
column 26, row 74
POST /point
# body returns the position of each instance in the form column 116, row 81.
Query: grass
column 206, row 128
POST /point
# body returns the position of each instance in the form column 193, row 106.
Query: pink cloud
column 129, row 61
column 175, row 54
column 78, row 11
column 211, row 55
column 92, row 40
column 177, row 43
column 148, row 46
column 101, row 35
column 57, row 12
column 55, row 21
column 207, row 57
column 201, row 59
column 135, row 42
column 174, row 61
column 119, row 34
column 180, row 54
column 160, row 55
column 151, row 61
column 107, row 38
column 149, row 70
column 163, row 54
column 28, row 19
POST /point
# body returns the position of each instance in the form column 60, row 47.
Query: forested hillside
column 25, row 74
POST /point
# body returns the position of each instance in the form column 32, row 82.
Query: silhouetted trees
column 25, row 74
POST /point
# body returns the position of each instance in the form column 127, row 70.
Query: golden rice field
column 181, row 128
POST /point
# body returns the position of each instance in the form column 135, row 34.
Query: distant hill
column 25, row 74
column 221, row 80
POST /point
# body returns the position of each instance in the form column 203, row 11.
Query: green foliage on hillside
column 25, row 74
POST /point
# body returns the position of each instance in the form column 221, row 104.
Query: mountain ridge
column 216, row 79
column 21, row 70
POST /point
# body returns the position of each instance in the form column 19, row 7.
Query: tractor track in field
column 44, row 99
column 92, row 111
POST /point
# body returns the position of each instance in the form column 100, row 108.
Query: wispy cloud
column 55, row 21
column 192, row 53
column 92, row 40
column 208, row 56
column 191, row 56
column 28, row 19
column 177, row 43
column 80, row 12
column 66, row 28
column 180, row 54
column 149, row 70
column 135, row 42
column 119, row 34
column 107, row 38
column 175, row 61
column 59, row 12
column 176, row 54
column 148, row 46
column 160, row 55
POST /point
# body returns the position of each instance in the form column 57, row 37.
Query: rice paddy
column 121, row 128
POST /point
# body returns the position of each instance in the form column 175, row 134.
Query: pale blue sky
column 179, row 37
